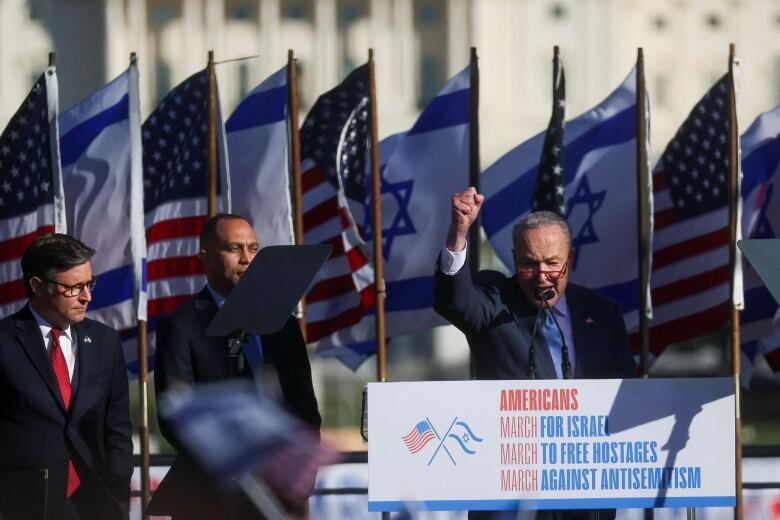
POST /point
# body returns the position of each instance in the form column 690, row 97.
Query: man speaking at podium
column 186, row 355
column 533, row 325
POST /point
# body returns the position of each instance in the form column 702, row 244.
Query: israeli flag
column 258, row 156
column 761, row 213
column 421, row 169
column 601, row 197
column 100, row 148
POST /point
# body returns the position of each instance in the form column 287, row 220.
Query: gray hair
column 539, row 219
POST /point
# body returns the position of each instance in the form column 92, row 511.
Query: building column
column 272, row 55
column 326, row 64
column 192, row 42
column 459, row 33
column 404, row 60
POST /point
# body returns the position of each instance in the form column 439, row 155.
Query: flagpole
column 212, row 138
column 733, row 223
column 142, row 329
column 295, row 165
column 52, row 59
column 474, row 171
column 376, row 207
column 643, row 217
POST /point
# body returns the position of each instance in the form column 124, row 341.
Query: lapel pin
column 87, row 339
column 589, row 321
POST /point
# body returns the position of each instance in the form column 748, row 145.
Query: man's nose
column 86, row 294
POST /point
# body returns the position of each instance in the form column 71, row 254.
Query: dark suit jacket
column 185, row 354
column 485, row 310
column 37, row 433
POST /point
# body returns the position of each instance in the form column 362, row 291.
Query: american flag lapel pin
column 87, row 339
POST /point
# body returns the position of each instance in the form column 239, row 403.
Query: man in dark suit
column 186, row 355
column 497, row 313
column 65, row 432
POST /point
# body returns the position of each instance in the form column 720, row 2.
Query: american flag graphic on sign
column 31, row 202
column 420, row 435
column 334, row 144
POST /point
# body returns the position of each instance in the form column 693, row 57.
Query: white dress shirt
column 67, row 341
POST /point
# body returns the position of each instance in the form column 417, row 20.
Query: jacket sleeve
column 623, row 366
column 118, row 431
column 469, row 306
column 173, row 365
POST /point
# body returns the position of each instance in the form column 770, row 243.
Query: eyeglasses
column 534, row 272
column 73, row 290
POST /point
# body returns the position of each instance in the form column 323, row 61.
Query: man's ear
column 37, row 285
column 203, row 255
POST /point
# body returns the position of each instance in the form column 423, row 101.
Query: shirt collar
column 218, row 298
column 46, row 327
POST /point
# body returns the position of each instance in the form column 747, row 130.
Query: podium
column 553, row 444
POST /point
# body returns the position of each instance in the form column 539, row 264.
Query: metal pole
column 643, row 211
column 379, row 281
column 733, row 223
column 52, row 59
column 474, row 172
column 212, row 138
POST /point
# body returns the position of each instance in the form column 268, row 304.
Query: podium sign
column 576, row 444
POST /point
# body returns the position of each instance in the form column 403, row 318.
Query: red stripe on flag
column 320, row 213
column 338, row 245
column 175, row 228
column 368, row 297
column 311, row 178
column 160, row 306
column 773, row 358
column 320, row 329
column 690, row 285
column 695, row 246
column 659, row 182
column 663, row 219
column 12, row 291
column 330, row 288
column 356, row 259
column 344, row 218
column 688, row 327
column 15, row 247
column 174, row 267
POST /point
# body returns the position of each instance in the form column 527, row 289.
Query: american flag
column 548, row 187
column 690, row 280
column 175, row 156
column 420, row 435
column 31, row 202
column 334, row 143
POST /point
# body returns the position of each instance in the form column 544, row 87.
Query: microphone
column 234, row 354
column 565, row 362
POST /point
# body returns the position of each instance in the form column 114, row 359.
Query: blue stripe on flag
column 625, row 293
column 514, row 199
column 444, row 111
column 759, row 305
column 261, row 108
column 74, row 143
column 113, row 286
column 760, row 165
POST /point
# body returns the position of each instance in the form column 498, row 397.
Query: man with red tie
column 65, row 432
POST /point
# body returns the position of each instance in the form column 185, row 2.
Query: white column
column 402, row 85
column 272, row 54
column 138, row 42
column 192, row 44
column 214, row 20
column 459, row 32
column 325, row 62
column 116, row 34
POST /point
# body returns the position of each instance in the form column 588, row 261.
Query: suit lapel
column 88, row 363
column 31, row 340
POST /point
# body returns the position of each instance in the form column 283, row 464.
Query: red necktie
column 63, row 380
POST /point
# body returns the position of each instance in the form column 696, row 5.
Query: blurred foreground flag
column 236, row 434
column 601, row 197
column 175, row 157
column 31, row 201
column 761, row 219
column 691, row 275
column 421, row 169
column 257, row 147
column 101, row 172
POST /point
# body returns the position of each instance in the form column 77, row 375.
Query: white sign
column 585, row 444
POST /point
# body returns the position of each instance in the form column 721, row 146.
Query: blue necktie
column 554, row 343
